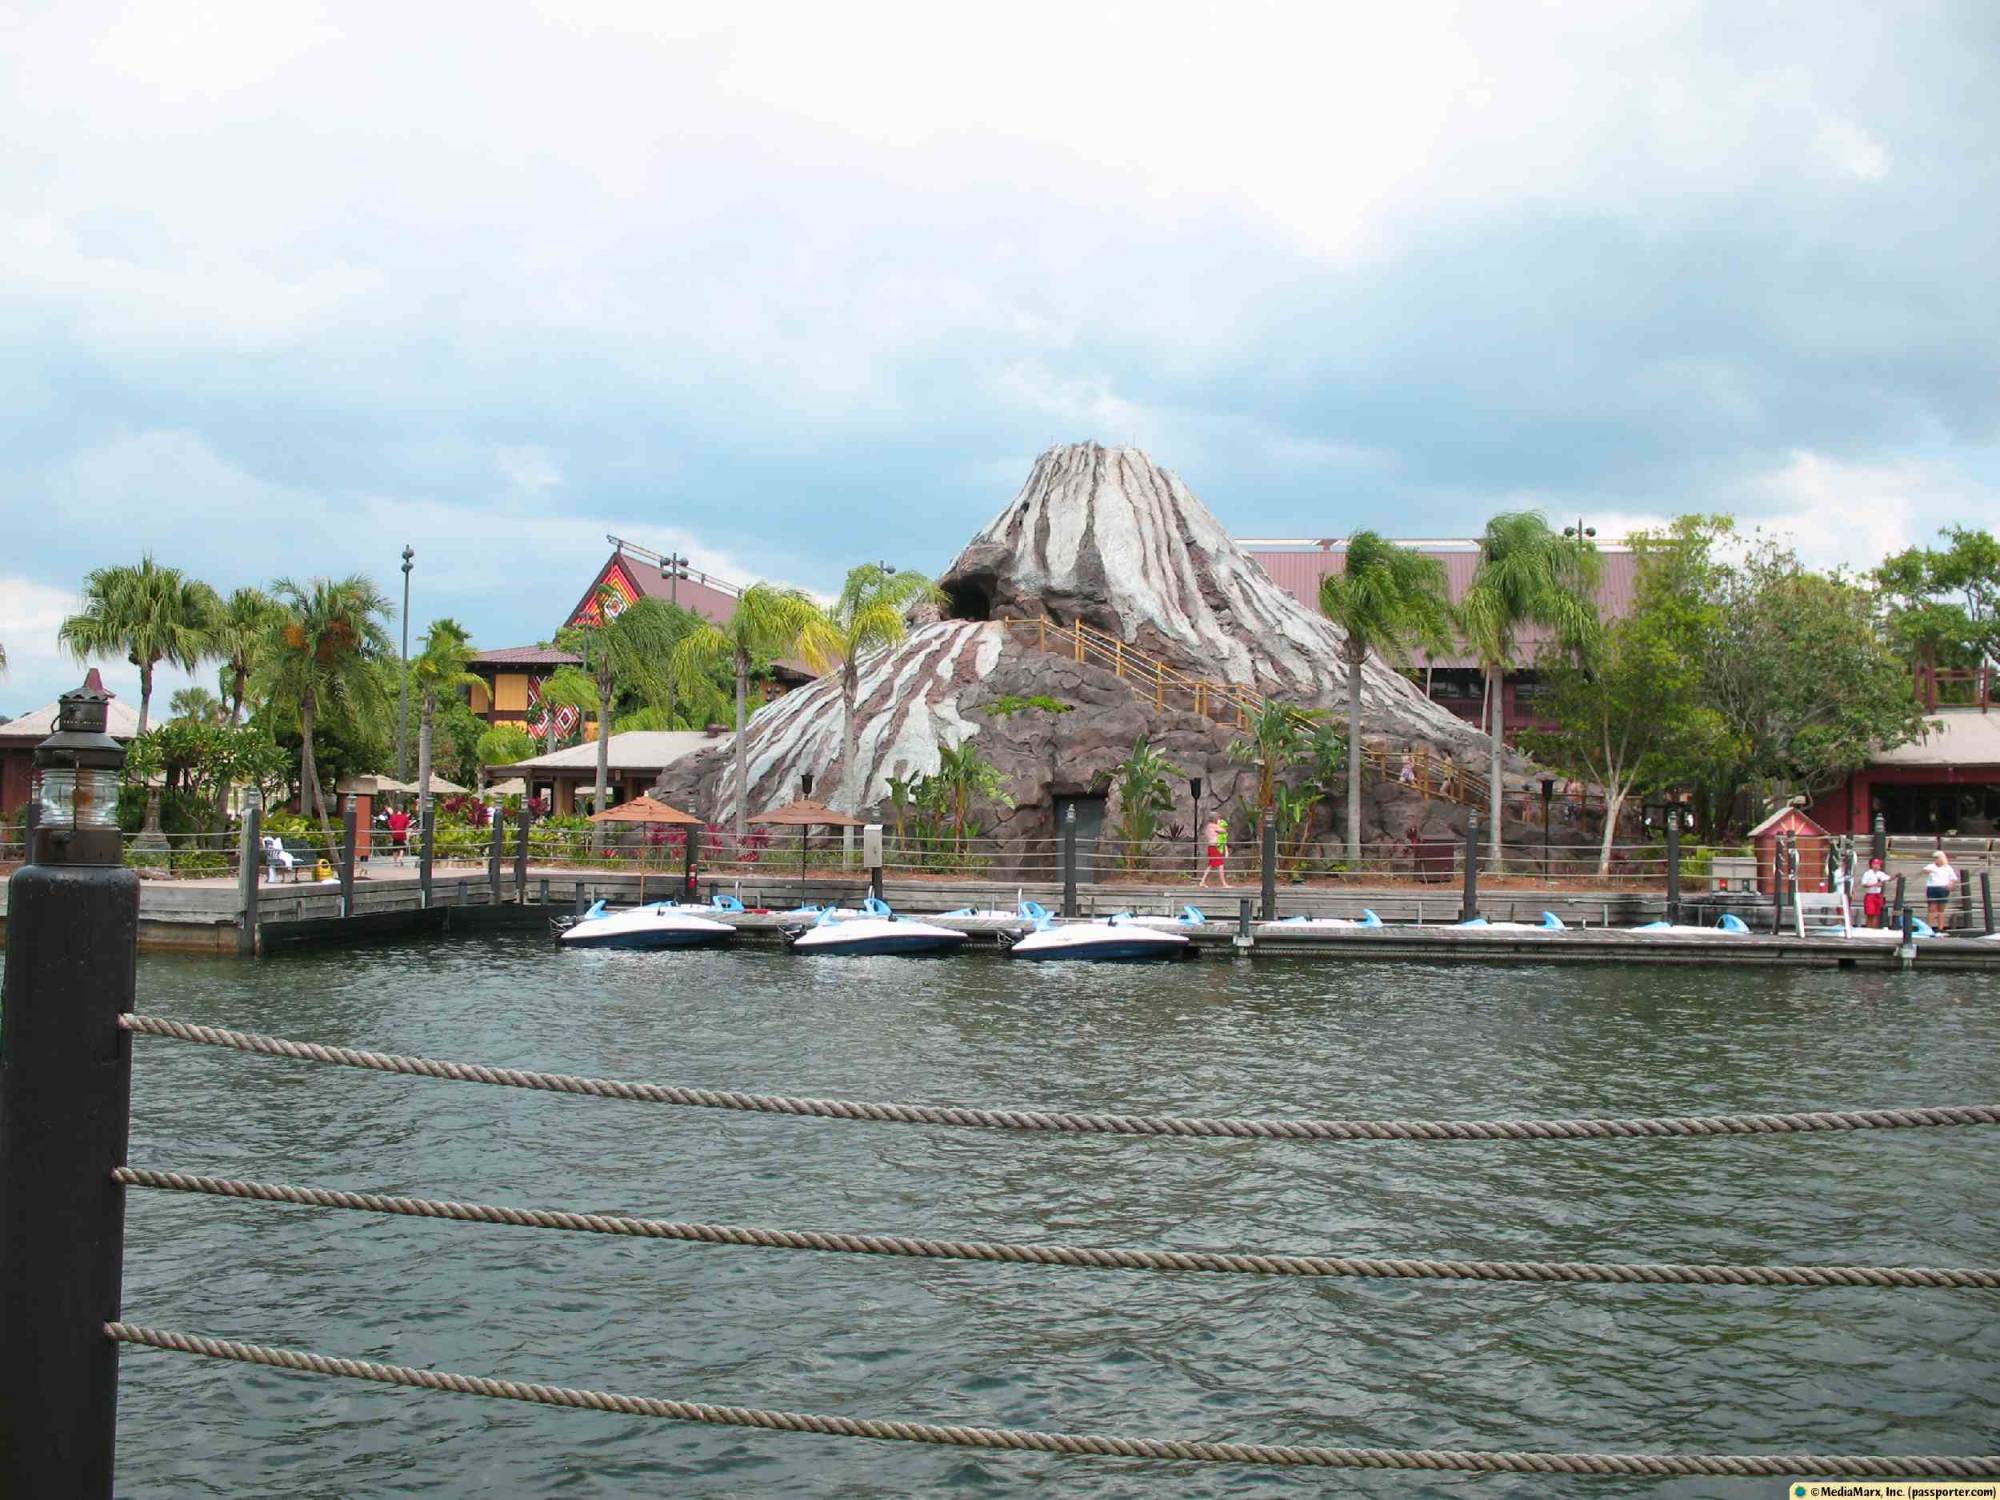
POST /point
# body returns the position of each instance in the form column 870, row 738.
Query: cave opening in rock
column 970, row 598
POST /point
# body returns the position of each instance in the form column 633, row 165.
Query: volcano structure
column 1104, row 537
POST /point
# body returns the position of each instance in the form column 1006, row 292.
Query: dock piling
column 581, row 905
column 1986, row 899
column 1901, row 908
column 1673, row 865
column 1069, row 861
column 521, row 855
column 1268, row 858
column 1469, row 905
column 427, row 850
column 249, row 862
column 65, row 1091
column 1243, row 938
column 350, row 835
column 493, row 852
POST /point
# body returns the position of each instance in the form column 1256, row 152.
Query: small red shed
column 1813, row 842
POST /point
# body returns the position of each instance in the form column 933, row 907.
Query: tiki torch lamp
column 78, row 767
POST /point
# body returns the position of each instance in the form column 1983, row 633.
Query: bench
column 302, row 861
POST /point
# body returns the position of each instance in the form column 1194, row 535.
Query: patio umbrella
column 644, row 810
column 805, row 815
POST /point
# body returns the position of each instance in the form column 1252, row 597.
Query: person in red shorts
column 1874, row 893
column 1216, row 837
column 399, row 833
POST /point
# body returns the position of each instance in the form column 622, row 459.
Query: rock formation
column 1104, row 536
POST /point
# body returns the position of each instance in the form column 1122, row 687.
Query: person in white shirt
column 1940, row 879
column 1874, row 894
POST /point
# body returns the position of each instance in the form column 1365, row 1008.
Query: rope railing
column 1078, row 1257
column 1029, row 1440
column 1225, row 1126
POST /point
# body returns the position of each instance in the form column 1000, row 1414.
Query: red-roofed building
column 509, row 690
column 1452, row 679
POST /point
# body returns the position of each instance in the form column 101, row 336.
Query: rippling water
column 1370, row 1363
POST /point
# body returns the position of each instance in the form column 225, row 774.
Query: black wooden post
column 350, row 832
column 493, row 854
column 249, row 872
column 1267, row 854
column 65, row 1093
column 1986, row 899
column 1900, row 908
column 426, row 851
column 581, row 905
column 1243, row 939
column 691, row 877
column 1673, row 864
column 521, row 853
column 1069, row 861
column 1468, row 906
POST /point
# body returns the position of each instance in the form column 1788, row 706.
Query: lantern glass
column 72, row 798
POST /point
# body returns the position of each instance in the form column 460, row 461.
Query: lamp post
column 1548, row 788
column 1579, row 531
column 673, row 568
column 403, row 714
column 65, row 1094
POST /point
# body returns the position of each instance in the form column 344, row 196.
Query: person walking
column 1874, row 894
column 1940, row 880
column 1216, row 838
column 399, row 833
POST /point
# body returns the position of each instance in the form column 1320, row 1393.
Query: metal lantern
column 78, row 769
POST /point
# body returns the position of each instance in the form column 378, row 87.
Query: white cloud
column 1852, row 151
column 1854, row 513
column 530, row 470
column 187, row 50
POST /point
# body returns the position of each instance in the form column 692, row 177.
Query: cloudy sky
column 285, row 286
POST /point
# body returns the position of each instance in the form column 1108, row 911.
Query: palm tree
column 872, row 612
column 319, row 656
column 629, row 647
column 149, row 613
column 241, row 626
column 197, row 704
column 1144, row 792
column 768, row 621
column 1527, row 574
column 1387, row 599
column 963, row 777
column 438, row 668
column 1276, row 739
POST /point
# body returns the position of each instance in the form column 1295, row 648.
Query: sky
column 287, row 286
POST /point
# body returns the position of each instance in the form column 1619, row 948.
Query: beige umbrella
column 645, row 810
column 439, row 786
column 805, row 815
column 516, row 787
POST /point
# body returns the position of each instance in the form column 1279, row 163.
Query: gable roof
column 633, row 750
column 525, row 656
column 121, row 722
column 708, row 596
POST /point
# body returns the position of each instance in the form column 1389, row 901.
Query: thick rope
column 1084, row 1124
column 1030, row 1441
column 1082, row 1257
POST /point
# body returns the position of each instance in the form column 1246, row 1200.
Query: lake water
column 1371, row 1363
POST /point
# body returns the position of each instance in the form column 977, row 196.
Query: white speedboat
column 1550, row 923
column 660, row 925
column 875, row 931
column 1112, row 939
